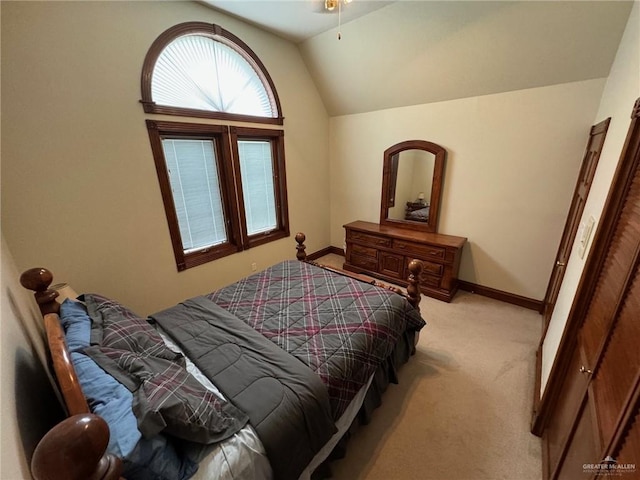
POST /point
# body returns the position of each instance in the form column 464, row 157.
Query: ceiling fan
column 330, row 6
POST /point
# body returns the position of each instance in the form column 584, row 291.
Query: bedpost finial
column 415, row 267
column 36, row 279
column 413, row 289
column 76, row 449
column 300, row 238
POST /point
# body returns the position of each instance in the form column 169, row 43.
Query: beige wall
column 620, row 93
column 512, row 163
column 80, row 194
column 28, row 407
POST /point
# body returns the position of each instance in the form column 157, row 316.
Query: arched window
column 202, row 70
column 223, row 187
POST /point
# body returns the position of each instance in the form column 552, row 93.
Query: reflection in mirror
column 411, row 185
column 413, row 181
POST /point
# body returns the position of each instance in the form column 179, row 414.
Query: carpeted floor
column 461, row 410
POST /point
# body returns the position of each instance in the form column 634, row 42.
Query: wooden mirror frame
column 388, row 182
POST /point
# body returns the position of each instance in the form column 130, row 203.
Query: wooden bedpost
column 75, row 450
column 300, row 238
column 413, row 289
column 38, row 280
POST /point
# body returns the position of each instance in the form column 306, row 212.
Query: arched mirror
column 412, row 184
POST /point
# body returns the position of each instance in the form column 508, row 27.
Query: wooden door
column 595, row 405
column 583, row 185
column 595, row 143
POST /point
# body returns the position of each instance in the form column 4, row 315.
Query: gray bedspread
column 341, row 328
column 286, row 402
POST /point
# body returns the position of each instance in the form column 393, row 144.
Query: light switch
column 585, row 235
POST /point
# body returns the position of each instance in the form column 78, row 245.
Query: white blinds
column 199, row 72
column 256, row 169
column 196, row 192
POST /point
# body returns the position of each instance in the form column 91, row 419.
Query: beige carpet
column 462, row 407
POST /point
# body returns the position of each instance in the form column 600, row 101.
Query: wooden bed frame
column 75, row 449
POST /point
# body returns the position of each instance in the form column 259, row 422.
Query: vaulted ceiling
column 401, row 53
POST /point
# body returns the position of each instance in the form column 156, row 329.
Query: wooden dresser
column 385, row 252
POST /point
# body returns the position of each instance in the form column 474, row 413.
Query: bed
column 257, row 380
column 417, row 211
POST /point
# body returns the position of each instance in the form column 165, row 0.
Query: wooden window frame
column 225, row 140
column 219, row 134
column 276, row 139
column 219, row 34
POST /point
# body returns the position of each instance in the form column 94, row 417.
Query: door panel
column 630, row 450
column 587, row 171
column 582, row 447
column 619, row 261
column 611, row 383
column 570, row 398
column 391, row 265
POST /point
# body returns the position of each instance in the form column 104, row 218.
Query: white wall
column 621, row 91
column 28, row 407
column 80, row 194
column 512, row 163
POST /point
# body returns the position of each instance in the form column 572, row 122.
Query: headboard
column 75, row 449
column 39, row 279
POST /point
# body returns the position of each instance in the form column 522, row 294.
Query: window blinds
column 195, row 187
column 256, row 170
column 199, row 72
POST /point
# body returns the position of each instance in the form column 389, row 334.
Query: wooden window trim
column 157, row 131
column 225, row 141
column 276, row 139
column 219, row 34
column 227, row 157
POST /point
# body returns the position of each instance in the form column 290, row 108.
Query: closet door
column 595, row 414
column 619, row 352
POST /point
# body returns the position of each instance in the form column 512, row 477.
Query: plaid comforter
column 339, row 327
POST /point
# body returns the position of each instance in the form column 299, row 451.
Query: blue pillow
column 76, row 324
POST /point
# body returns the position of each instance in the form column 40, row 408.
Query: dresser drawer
column 371, row 239
column 427, row 280
column 385, row 252
column 425, row 251
column 431, row 272
column 364, row 262
column 432, row 268
column 364, row 251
